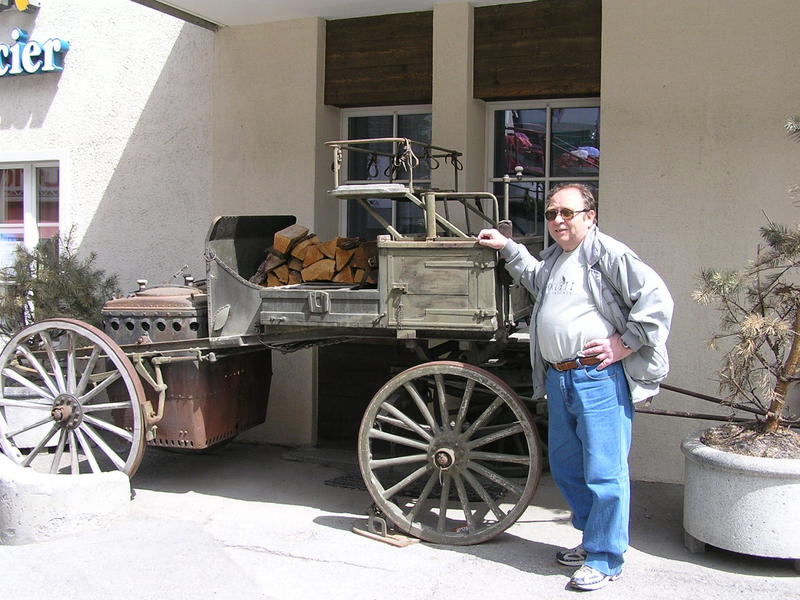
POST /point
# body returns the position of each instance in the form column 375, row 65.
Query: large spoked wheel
column 70, row 400
column 449, row 453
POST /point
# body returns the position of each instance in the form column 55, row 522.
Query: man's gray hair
column 589, row 201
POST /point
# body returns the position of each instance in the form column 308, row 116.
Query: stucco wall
column 130, row 120
column 269, row 126
column 694, row 97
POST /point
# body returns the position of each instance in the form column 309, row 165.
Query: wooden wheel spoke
column 48, row 436
column 465, row 399
column 22, row 380
column 126, row 435
column 51, row 355
column 397, row 460
column 518, row 459
column 497, row 435
column 87, row 371
column 31, row 358
column 87, row 397
column 439, row 379
column 90, row 408
column 495, row 478
column 397, row 439
column 62, row 440
column 100, row 443
column 423, row 408
column 464, row 500
column 70, row 362
column 410, row 424
column 87, row 451
column 34, row 425
column 74, row 466
column 488, row 500
column 485, row 416
column 423, row 497
column 27, row 404
column 406, row 481
column 444, row 500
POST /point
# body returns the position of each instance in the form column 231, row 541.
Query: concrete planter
column 741, row 503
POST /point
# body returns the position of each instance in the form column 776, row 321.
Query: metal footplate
column 378, row 528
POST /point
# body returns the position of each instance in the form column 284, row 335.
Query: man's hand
column 609, row 350
column 492, row 238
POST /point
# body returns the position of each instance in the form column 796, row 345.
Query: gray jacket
column 628, row 293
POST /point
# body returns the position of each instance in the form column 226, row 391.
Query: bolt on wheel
column 69, row 400
column 449, row 453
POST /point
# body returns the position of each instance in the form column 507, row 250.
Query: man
column 598, row 328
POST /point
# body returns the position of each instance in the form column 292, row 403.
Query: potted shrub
column 742, row 483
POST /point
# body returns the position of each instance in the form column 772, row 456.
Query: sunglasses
column 566, row 213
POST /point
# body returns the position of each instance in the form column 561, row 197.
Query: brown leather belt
column 568, row 365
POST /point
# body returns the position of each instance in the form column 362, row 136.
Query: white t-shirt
column 568, row 317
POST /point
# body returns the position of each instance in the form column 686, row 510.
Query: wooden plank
column 321, row 270
column 287, row 237
column 342, row 257
column 313, row 254
column 328, row 248
column 549, row 48
column 299, row 249
column 381, row 60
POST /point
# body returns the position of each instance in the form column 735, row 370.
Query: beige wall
column 269, row 125
column 694, row 97
column 129, row 119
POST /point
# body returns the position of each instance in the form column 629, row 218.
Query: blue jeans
column 589, row 438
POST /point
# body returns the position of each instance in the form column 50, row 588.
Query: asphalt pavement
column 252, row 522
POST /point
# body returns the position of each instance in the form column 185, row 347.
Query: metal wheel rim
column 457, row 464
column 97, row 433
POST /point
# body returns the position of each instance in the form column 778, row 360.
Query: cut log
column 295, row 264
column 295, row 277
column 269, row 264
column 343, row 257
column 344, row 276
column 282, row 273
column 272, row 280
column 299, row 249
column 287, row 237
column 347, row 243
column 358, row 275
column 321, row 270
column 363, row 254
column 328, row 248
column 312, row 255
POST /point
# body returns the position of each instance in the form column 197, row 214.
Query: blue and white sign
column 27, row 57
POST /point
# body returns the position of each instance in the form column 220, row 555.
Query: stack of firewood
column 297, row 256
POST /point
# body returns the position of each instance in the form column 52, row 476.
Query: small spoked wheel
column 449, row 453
column 70, row 400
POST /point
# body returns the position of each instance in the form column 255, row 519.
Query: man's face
column 569, row 233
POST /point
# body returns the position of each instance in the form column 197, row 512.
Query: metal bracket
column 319, row 302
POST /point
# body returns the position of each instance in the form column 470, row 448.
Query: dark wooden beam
column 379, row 61
column 544, row 49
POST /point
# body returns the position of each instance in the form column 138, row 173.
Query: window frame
column 28, row 162
column 549, row 104
column 374, row 111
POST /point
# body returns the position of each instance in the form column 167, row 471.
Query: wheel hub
column 444, row 458
column 67, row 411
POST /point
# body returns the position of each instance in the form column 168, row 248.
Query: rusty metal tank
column 211, row 396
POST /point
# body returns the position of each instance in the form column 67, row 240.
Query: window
column 541, row 144
column 29, row 205
column 408, row 122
